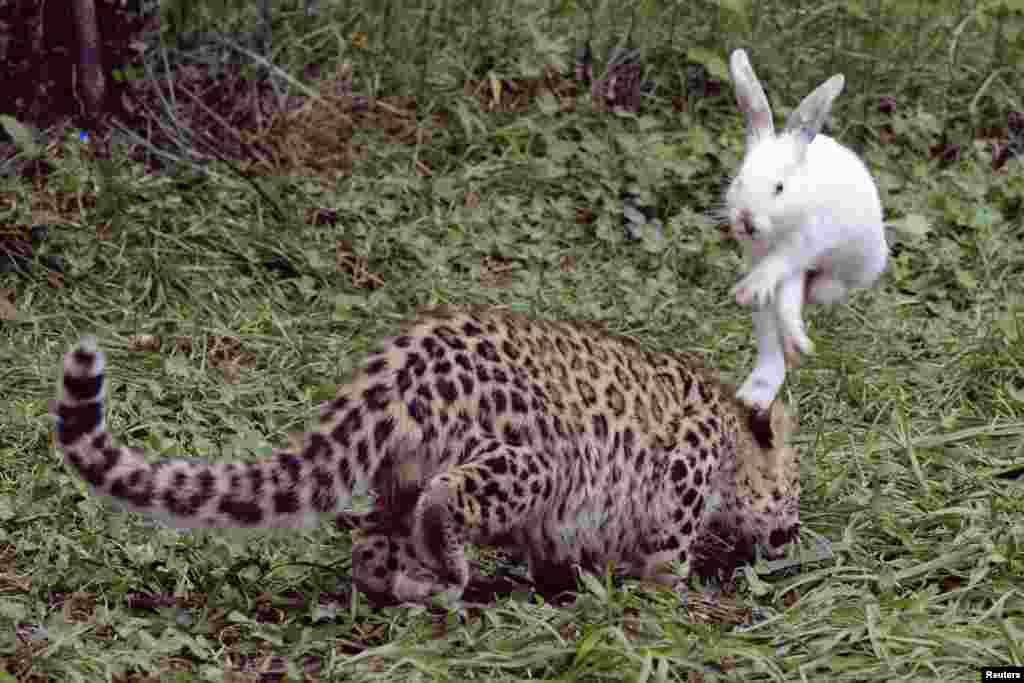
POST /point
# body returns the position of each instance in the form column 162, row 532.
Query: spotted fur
column 478, row 425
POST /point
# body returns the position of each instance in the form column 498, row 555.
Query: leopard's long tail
column 285, row 490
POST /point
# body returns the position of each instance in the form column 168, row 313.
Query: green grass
column 912, row 405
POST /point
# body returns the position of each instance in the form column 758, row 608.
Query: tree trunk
column 91, row 81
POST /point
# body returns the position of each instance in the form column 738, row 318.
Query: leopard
column 577, row 448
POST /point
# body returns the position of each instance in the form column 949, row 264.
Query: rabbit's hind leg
column 789, row 315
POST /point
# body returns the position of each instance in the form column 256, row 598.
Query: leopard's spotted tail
column 283, row 491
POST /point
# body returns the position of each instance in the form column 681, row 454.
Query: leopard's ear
column 772, row 427
column 760, row 424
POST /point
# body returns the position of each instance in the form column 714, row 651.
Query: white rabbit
column 809, row 211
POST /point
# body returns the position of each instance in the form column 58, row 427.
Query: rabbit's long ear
column 806, row 120
column 750, row 98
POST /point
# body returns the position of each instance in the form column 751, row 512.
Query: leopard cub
column 570, row 445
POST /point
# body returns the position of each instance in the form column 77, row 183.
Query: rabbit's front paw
column 757, row 288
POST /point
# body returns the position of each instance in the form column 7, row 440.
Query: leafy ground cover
column 238, row 246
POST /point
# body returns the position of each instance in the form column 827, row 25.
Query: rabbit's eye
column 778, row 189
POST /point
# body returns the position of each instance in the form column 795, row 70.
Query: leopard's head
column 761, row 504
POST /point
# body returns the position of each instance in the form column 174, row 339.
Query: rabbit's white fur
column 808, row 209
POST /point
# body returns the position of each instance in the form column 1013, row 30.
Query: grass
column 461, row 187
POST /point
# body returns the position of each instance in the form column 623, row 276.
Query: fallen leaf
column 7, row 309
column 144, row 342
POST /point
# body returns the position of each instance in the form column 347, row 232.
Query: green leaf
column 548, row 104
column 593, row 584
column 653, row 236
column 12, row 610
column 698, row 141
column 1011, row 5
column 966, row 279
column 1015, row 393
column 348, row 302
column 1007, row 323
column 929, row 122
column 21, row 134
column 757, row 586
column 588, row 644
column 857, row 9
column 985, row 217
column 711, row 60
column 445, row 187
column 912, row 225
column 741, row 8
column 648, row 123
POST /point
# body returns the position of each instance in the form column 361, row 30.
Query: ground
column 455, row 158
